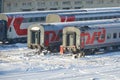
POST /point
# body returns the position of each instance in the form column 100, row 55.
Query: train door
column 70, row 38
column 35, row 37
column 3, row 30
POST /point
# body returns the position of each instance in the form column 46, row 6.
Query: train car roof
column 99, row 26
column 62, row 23
column 90, row 12
column 48, row 11
column 107, row 26
column 70, row 10
column 104, row 8
column 61, row 13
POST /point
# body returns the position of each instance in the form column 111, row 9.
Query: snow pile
column 19, row 63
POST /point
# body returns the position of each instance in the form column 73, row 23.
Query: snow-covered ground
column 17, row 62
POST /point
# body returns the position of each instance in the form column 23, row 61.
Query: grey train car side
column 15, row 24
column 83, row 16
column 50, row 34
column 90, row 39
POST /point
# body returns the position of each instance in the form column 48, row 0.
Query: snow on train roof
column 101, row 26
column 47, row 11
column 104, row 8
column 82, row 22
column 70, row 10
column 107, row 11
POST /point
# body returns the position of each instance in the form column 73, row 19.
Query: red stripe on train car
column 68, row 19
column 9, row 21
column 17, row 23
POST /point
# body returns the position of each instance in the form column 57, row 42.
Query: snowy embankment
column 17, row 62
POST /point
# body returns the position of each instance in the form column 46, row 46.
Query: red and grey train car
column 91, row 38
column 50, row 34
column 83, row 16
column 13, row 26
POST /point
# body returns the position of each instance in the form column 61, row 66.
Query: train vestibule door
column 70, row 38
column 35, row 37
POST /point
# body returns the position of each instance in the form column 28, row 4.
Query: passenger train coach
column 13, row 26
column 90, row 39
column 83, row 16
column 49, row 35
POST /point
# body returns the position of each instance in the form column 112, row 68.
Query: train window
column 25, row 20
column 96, row 37
column 90, row 18
column 100, row 17
column 93, row 18
column 102, row 36
column 30, row 19
column 78, row 7
column 108, row 36
column 86, row 18
column 112, row 17
column 108, row 17
column 66, row 8
column 42, row 18
column 41, row 9
column 34, row 19
column 96, row 18
column 37, row 19
column 53, row 8
column 114, row 35
column 26, row 10
column 80, row 19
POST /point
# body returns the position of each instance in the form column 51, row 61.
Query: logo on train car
column 52, row 36
column 16, row 23
column 87, row 38
column 68, row 19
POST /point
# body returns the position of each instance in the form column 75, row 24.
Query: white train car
column 50, row 34
column 90, row 39
column 83, row 16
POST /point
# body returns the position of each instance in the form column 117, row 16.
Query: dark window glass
column 108, row 36
column 114, row 35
